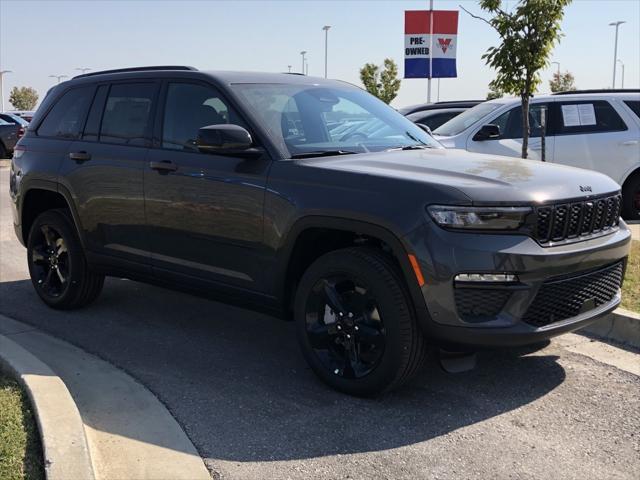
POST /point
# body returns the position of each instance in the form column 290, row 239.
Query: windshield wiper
column 322, row 153
column 409, row 147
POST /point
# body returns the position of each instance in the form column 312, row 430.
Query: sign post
column 430, row 44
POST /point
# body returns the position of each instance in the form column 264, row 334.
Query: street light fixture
column 83, row 69
column 59, row 77
column 615, row 49
column 326, row 42
column 2, row 72
column 303, row 53
column 622, row 66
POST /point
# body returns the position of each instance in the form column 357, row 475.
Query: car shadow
column 237, row 383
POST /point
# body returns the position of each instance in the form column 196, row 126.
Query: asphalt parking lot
column 236, row 382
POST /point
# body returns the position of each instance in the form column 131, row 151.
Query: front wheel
column 355, row 322
column 58, row 269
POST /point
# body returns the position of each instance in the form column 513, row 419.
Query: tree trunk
column 525, row 124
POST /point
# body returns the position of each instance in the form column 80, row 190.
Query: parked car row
column 12, row 127
column 597, row 130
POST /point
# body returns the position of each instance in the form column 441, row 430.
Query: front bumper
column 444, row 254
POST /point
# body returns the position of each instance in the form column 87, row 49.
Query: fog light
column 486, row 277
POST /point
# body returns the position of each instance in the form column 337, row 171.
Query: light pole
column 83, row 69
column 289, row 67
column 303, row 53
column 615, row 49
column 306, row 67
column 2, row 72
column 622, row 66
column 326, row 42
column 59, row 77
column 557, row 63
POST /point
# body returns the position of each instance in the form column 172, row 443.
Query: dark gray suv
column 314, row 201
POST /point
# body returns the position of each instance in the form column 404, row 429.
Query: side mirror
column 226, row 139
column 487, row 132
column 425, row 128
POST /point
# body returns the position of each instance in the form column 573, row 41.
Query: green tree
column 23, row 98
column 562, row 82
column 383, row 83
column 494, row 93
column 528, row 34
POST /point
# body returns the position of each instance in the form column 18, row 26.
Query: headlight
column 479, row 218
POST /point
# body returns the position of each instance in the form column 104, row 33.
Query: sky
column 42, row 38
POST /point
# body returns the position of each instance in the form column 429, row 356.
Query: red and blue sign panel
column 430, row 43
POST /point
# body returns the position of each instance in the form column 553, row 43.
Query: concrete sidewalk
column 130, row 434
column 635, row 230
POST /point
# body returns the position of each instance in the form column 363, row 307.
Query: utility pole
column 83, row 70
column 2, row 72
column 622, row 66
column 59, row 77
column 615, row 50
column 326, row 42
column 430, row 51
column 303, row 53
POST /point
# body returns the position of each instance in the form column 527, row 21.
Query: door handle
column 163, row 166
column 80, row 156
column 630, row 142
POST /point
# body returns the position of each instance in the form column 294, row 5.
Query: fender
column 632, row 170
column 399, row 248
column 37, row 184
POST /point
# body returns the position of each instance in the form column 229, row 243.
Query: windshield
column 313, row 119
column 467, row 118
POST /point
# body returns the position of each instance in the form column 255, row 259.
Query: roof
column 224, row 77
column 439, row 105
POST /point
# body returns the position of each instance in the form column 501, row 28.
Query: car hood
column 482, row 178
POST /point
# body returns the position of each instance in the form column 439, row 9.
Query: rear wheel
column 631, row 199
column 57, row 266
column 355, row 322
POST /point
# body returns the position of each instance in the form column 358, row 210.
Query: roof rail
column 138, row 69
column 599, row 90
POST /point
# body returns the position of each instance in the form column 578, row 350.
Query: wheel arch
column 40, row 197
column 326, row 234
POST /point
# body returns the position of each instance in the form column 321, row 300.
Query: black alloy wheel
column 356, row 324
column 50, row 259
column 57, row 265
column 344, row 326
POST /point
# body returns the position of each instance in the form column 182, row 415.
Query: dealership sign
column 430, row 43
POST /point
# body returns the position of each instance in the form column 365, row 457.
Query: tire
column 377, row 349
column 631, row 198
column 57, row 265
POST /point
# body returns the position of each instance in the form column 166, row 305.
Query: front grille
column 477, row 305
column 565, row 221
column 559, row 299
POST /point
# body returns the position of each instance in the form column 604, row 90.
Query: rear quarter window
column 634, row 105
column 127, row 114
column 66, row 118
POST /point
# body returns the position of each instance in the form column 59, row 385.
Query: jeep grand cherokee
column 313, row 200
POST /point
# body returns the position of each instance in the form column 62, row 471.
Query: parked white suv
column 598, row 130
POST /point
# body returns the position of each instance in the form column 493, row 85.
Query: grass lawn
column 631, row 287
column 20, row 451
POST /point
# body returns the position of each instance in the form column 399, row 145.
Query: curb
column 127, row 432
column 64, row 445
column 621, row 326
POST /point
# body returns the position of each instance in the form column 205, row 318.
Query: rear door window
column 127, row 114
column 586, row 117
column 92, row 127
column 66, row 118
